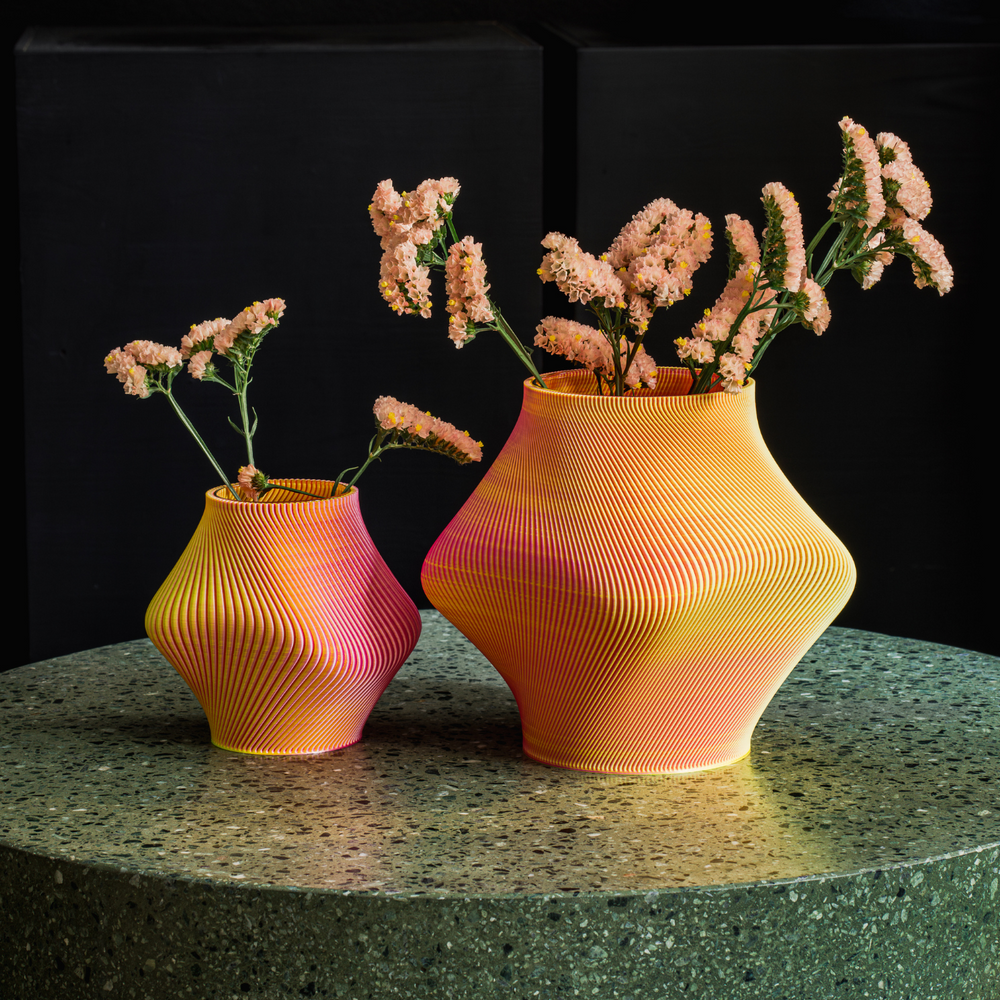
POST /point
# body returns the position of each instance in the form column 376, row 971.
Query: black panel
column 885, row 422
column 167, row 179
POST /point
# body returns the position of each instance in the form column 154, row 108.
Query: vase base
column 291, row 751
column 625, row 769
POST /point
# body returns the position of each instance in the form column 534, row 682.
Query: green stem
column 503, row 328
column 291, row 489
column 242, row 370
column 204, row 447
column 376, row 453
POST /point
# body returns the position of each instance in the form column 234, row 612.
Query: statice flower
column 251, row 481
column 784, row 260
column 903, row 183
column 413, row 428
column 575, row 342
column 128, row 371
column 249, row 324
column 200, row 365
column 815, row 310
column 859, row 189
column 743, row 245
column 405, row 283
column 153, row 355
column 202, row 336
column 589, row 347
column 465, row 283
column 415, row 215
column 927, row 258
column 871, row 271
column 580, row 276
column 643, row 371
column 656, row 254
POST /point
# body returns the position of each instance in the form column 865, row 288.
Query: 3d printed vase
column 641, row 574
column 284, row 620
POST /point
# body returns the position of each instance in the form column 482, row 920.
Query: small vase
column 640, row 572
column 284, row 620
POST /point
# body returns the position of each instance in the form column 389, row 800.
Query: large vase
column 641, row 574
column 284, row 620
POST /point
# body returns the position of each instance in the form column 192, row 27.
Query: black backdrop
column 171, row 177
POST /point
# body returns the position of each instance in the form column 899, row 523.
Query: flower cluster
column 413, row 228
column 145, row 367
column 859, row 190
column 887, row 197
column 138, row 364
column 465, row 283
column 231, row 337
column 407, row 222
column 656, row 254
column 784, row 261
column 879, row 203
column 649, row 266
column 580, row 276
column 730, row 331
column 589, row 347
column 404, row 426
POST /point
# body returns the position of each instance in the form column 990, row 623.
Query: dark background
column 169, row 176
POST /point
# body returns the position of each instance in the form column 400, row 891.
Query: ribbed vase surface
column 284, row 620
column 640, row 572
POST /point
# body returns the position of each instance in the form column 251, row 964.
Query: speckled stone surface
column 854, row 853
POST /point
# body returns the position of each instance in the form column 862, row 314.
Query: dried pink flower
column 579, row 275
column 413, row 216
column 465, row 283
column 656, row 254
column 864, row 154
column 421, row 430
column 403, row 283
column 151, row 354
column 717, row 322
column 784, row 247
column 929, row 263
column 642, row 371
column 575, row 342
column 202, row 336
column 132, row 375
column 907, row 188
column 879, row 264
column 246, row 481
column 698, row 349
column 198, row 365
column 816, row 312
column 742, row 240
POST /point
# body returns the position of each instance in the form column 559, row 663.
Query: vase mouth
column 670, row 382
column 323, row 487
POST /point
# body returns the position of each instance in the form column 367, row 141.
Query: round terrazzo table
column 854, row 853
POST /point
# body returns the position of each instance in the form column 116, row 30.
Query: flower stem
column 503, row 328
column 204, row 447
column 291, row 489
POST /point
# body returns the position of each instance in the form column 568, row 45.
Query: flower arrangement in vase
column 280, row 615
column 634, row 563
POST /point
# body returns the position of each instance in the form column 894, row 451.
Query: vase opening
column 322, row 487
column 581, row 382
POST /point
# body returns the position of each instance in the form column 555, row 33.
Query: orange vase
column 640, row 572
column 284, row 620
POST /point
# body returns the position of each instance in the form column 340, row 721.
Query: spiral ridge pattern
column 284, row 620
column 641, row 574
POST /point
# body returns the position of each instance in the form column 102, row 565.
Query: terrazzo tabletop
column 854, row 853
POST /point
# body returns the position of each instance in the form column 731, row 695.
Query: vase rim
column 585, row 377
column 221, row 495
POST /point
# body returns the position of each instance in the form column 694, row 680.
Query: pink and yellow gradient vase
column 284, row 620
column 641, row 574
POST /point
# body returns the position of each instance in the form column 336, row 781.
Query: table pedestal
column 854, row 853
